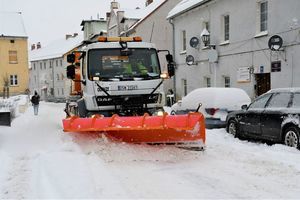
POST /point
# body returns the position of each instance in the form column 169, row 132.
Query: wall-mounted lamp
column 205, row 37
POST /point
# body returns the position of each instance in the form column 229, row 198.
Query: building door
column 263, row 83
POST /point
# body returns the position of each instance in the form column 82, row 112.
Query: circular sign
column 190, row 60
column 275, row 43
column 194, row 42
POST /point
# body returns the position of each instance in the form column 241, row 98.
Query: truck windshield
column 110, row 64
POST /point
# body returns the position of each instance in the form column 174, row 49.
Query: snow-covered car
column 273, row 116
column 216, row 104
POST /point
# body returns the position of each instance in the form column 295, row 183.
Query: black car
column 273, row 116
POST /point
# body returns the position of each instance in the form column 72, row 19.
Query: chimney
column 68, row 36
column 32, row 47
column 114, row 5
column 148, row 2
column 38, row 45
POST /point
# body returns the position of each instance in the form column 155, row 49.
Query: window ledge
column 224, row 43
column 182, row 52
column 261, row 34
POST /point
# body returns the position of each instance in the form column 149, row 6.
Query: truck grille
column 127, row 100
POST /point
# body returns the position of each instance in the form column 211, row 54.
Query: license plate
column 127, row 87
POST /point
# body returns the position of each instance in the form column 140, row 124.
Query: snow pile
column 13, row 103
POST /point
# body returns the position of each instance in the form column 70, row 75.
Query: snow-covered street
column 39, row 160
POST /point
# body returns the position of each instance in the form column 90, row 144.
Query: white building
column 48, row 67
column 239, row 30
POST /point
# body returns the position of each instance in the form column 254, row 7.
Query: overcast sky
column 48, row 20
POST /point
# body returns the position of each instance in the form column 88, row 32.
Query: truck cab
column 120, row 76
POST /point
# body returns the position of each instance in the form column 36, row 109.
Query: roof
column 148, row 11
column 292, row 89
column 55, row 49
column 184, row 6
column 11, row 24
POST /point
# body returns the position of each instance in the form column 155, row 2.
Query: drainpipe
column 173, row 52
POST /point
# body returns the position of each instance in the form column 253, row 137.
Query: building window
column 41, row 66
column 263, row 16
column 62, row 91
column 226, row 27
column 56, row 62
column 33, row 66
column 13, row 80
column 61, row 64
column 207, row 81
column 183, row 40
column 35, row 78
column 13, row 57
column 50, row 64
column 12, row 41
column 227, row 81
column 45, row 65
column 57, row 91
column 57, row 77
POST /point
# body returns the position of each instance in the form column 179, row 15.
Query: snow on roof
column 231, row 98
column 148, row 10
column 184, row 6
column 55, row 49
column 11, row 24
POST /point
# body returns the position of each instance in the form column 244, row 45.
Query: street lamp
column 205, row 36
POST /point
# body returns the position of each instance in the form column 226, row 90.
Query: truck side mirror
column 71, row 58
column 171, row 69
column 71, row 72
column 169, row 58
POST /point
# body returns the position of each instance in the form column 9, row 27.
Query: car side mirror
column 71, row 72
column 244, row 107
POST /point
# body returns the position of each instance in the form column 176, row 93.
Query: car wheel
column 291, row 137
column 232, row 128
column 173, row 112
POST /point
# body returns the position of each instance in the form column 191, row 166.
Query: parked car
column 273, row 116
column 216, row 104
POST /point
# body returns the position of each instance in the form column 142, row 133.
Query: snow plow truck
column 117, row 91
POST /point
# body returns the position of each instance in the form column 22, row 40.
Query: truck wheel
column 232, row 128
column 291, row 137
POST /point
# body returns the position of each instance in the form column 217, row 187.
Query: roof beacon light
column 119, row 39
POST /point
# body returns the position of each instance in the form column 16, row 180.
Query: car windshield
column 109, row 64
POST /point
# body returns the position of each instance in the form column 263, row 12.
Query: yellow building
column 13, row 54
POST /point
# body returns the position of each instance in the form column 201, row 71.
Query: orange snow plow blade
column 143, row 129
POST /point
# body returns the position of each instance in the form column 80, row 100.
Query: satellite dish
column 194, row 42
column 275, row 43
column 190, row 60
column 212, row 55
